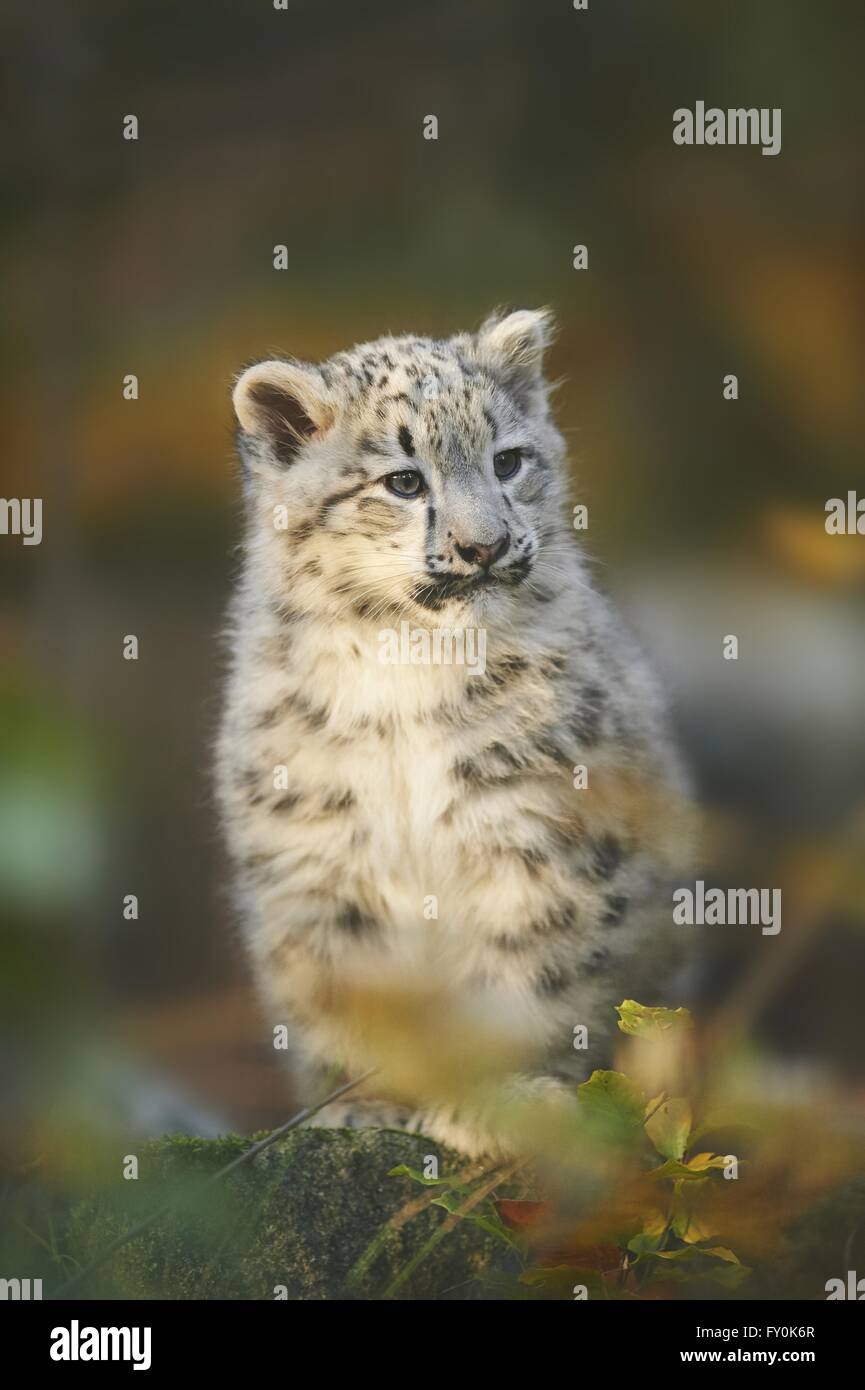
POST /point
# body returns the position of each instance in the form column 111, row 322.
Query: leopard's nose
column 482, row 555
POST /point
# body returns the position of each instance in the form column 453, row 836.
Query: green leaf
column 669, row 1128
column 695, row 1169
column 483, row 1216
column 646, row 1243
column 715, row 1262
column 701, row 1163
column 613, row 1105
column 451, row 1198
column 404, row 1171
column 642, row 1021
column 690, row 1225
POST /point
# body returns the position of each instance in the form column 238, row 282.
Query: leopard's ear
column 280, row 406
column 513, row 345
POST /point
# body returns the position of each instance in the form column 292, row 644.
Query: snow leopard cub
column 504, row 831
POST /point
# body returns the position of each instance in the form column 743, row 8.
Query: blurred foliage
column 640, row 1197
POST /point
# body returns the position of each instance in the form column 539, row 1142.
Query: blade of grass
column 498, row 1176
column 413, row 1207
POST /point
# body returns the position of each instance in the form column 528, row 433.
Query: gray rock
column 309, row 1215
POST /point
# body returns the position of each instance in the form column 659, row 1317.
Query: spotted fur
column 404, row 782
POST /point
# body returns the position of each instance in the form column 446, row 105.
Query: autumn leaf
column 523, row 1215
column 643, row 1021
column 715, row 1263
column 695, row 1169
column 613, row 1105
column 548, row 1239
column 669, row 1128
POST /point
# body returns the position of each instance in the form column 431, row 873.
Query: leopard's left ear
column 513, row 344
column 280, row 406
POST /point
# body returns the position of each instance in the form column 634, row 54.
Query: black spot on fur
column 261, row 865
column 429, row 528
column 475, row 777
column 406, row 441
column 553, row 665
column 506, row 669
column 516, row 572
column 596, row 961
column 355, row 923
column 313, row 716
column 336, row 497
column 506, row 755
column 549, row 748
column 552, row 981
column 364, row 608
column 616, row 907
column 588, row 718
column 301, row 531
column 534, row 859
column 557, row 922
column 339, row 801
column 607, row 855
column 510, row 944
column 467, row 770
column 367, row 444
column 254, row 861
column 288, row 802
column 269, row 717
column 286, row 615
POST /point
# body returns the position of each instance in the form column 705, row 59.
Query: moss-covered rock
column 826, row 1241
column 307, row 1219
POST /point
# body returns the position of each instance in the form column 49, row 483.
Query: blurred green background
column 154, row 257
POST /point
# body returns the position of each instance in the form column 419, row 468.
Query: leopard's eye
column 507, row 464
column 409, row 483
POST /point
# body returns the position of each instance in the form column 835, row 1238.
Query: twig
column 498, row 1176
column 245, row 1157
column 412, row 1208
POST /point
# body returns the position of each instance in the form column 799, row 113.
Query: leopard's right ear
column 280, row 406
